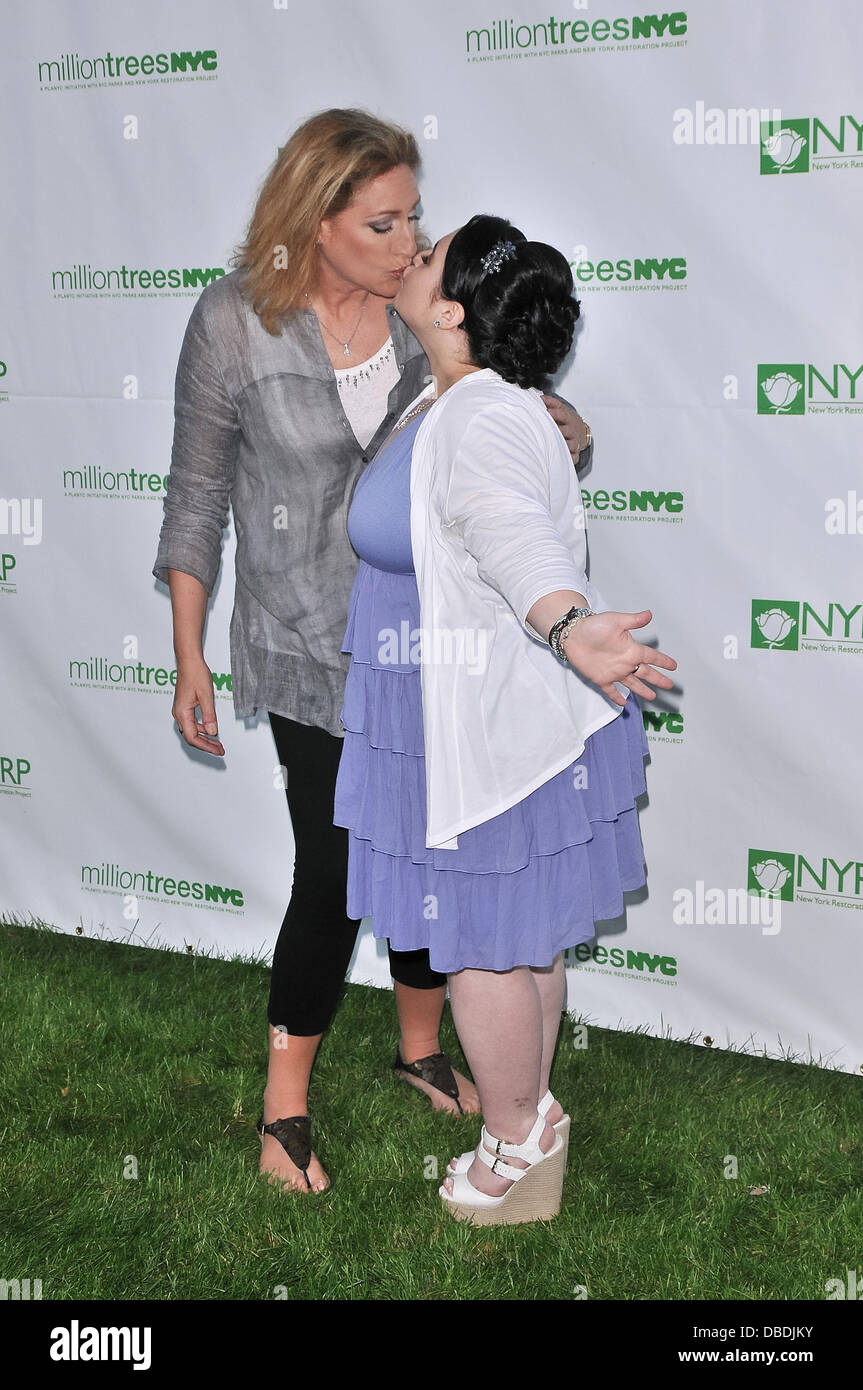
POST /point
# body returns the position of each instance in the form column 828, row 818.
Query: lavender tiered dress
column 520, row 887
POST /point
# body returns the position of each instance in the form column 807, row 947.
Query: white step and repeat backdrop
column 703, row 170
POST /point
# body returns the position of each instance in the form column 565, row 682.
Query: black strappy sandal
column 435, row 1070
column 295, row 1136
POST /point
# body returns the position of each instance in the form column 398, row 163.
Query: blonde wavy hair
column 315, row 176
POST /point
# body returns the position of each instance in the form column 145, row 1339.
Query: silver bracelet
column 562, row 628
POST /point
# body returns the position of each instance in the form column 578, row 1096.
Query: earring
column 436, row 323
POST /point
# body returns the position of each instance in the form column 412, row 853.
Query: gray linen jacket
column 258, row 424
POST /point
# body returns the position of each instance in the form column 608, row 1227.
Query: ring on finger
column 637, row 668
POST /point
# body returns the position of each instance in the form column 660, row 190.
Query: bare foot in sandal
column 287, row 1159
column 437, row 1079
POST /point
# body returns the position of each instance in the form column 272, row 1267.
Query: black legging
column 316, row 940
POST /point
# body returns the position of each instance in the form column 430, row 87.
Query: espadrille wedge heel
column 536, row 1190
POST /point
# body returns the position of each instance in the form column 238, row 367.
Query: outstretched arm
column 602, row 647
column 496, row 502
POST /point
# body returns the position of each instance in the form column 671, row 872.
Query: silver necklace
column 346, row 345
column 411, row 415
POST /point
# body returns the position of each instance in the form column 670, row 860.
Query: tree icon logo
column 785, row 147
column 775, row 624
column 771, row 874
column 781, row 388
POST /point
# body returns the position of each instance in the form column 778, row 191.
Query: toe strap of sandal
column 435, row 1070
column 295, row 1136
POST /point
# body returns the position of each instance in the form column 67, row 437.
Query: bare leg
column 499, row 1017
column 286, row 1094
column 551, row 983
column 420, row 1013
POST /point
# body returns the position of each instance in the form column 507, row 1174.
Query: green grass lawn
column 113, row 1050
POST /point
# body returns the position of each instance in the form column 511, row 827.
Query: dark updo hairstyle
column 519, row 319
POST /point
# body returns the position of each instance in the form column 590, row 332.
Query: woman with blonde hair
column 293, row 368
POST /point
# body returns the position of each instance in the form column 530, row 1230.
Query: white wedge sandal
column 536, row 1190
column 463, row 1162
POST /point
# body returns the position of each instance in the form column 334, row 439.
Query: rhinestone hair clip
column 494, row 259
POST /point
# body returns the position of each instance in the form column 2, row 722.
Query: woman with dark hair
column 292, row 371
column 491, row 761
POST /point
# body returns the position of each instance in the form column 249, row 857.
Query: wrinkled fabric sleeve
column 497, row 503
column 203, row 461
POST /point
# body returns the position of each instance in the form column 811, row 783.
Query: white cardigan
column 497, row 522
